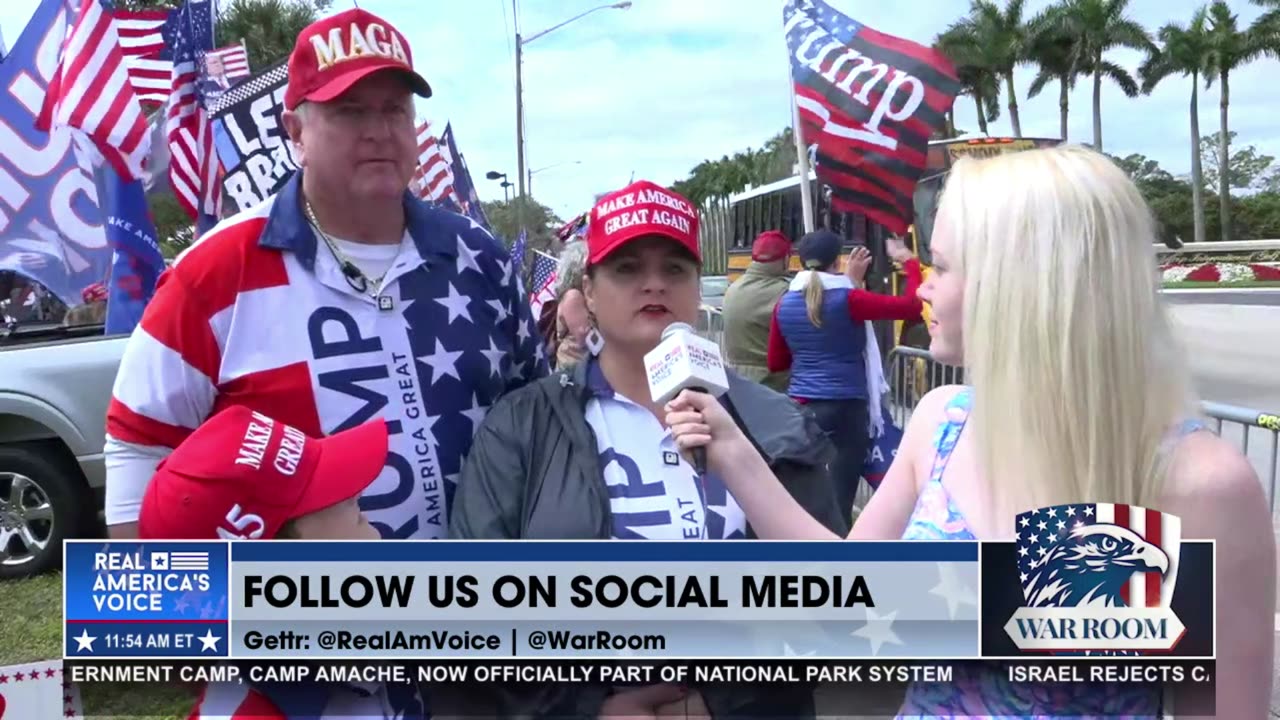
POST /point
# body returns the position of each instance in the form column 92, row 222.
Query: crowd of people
column 327, row 325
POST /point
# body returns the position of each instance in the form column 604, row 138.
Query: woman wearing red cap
column 585, row 453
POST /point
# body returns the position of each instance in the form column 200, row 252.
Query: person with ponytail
column 821, row 331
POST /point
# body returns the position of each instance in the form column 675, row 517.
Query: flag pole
column 802, row 155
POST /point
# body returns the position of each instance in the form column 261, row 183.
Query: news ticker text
column 796, row 670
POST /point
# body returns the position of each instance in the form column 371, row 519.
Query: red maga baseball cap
column 333, row 54
column 242, row 474
column 639, row 210
column 770, row 245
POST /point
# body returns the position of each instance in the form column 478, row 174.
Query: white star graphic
column 501, row 309
column 1042, row 525
column 84, row 641
column 467, row 257
column 517, row 370
column 1022, row 552
column 1043, row 551
column 788, row 651
column 208, row 641
column 506, row 266
column 1071, row 511
column 953, row 590
column 494, row 356
column 442, row 362
column 475, row 225
column 1062, row 524
column 878, row 630
column 476, row 413
column 523, row 333
column 456, row 304
column 1088, row 512
column 1034, row 540
column 1053, row 512
column 1025, row 522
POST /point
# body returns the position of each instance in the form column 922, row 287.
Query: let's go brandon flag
column 869, row 102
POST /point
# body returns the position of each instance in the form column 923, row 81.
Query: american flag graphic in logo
column 1098, row 554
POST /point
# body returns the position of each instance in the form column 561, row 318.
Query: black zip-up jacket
column 533, row 472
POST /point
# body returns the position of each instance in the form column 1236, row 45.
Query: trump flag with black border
column 869, row 102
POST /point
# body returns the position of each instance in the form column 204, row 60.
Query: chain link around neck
column 371, row 284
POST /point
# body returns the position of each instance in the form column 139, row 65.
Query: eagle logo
column 1091, row 565
column 1097, row 579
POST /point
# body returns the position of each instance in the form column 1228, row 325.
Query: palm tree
column 1099, row 26
column 1229, row 48
column 1185, row 52
column 976, row 79
column 1054, row 53
column 998, row 39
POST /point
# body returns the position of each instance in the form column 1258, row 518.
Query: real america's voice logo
column 1098, row 579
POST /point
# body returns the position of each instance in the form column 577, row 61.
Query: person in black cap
column 821, row 331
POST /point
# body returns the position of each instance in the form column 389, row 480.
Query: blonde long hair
column 813, row 293
column 1076, row 375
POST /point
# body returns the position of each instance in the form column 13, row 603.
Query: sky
column 651, row 91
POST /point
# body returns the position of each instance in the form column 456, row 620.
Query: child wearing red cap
column 245, row 476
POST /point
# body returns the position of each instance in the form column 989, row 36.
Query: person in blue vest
column 821, row 331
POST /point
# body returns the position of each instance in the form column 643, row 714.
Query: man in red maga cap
column 340, row 299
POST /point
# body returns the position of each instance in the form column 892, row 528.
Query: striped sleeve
column 164, row 389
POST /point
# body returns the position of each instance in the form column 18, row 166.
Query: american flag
column 434, row 178
column 235, row 61
column 90, row 91
column 544, row 280
column 870, row 102
column 142, row 39
column 194, row 169
column 517, row 251
column 1042, row 531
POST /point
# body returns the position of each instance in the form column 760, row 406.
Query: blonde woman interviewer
column 1044, row 288
column 821, row 331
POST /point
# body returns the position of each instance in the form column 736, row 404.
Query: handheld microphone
column 685, row 360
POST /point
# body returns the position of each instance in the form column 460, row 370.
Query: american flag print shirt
column 258, row 313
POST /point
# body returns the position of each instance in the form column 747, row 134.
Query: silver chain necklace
column 371, row 285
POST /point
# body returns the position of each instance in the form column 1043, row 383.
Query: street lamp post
column 548, row 167
column 520, row 43
column 494, row 175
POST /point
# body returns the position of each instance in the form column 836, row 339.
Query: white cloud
column 658, row 88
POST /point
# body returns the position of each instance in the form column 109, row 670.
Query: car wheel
column 40, row 501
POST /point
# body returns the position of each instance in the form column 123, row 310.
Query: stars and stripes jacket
column 258, row 313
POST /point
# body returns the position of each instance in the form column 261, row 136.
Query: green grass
column 31, row 631
column 1192, row 285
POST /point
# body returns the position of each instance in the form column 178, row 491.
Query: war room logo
column 1097, row 579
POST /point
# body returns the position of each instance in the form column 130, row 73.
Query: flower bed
column 1221, row 273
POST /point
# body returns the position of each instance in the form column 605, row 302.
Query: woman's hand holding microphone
column 699, row 420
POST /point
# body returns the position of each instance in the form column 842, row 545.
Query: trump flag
column 869, row 102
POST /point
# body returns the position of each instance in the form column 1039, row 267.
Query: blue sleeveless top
column 987, row 692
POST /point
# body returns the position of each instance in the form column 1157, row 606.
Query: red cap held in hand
column 639, row 210
column 243, row 475
column 335, row 53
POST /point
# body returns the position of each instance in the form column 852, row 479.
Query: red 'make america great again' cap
column 335, row 53
column 243, row 475
column 638, row 210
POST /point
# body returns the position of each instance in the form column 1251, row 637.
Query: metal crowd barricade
column 913, row 372
column 711, row 324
